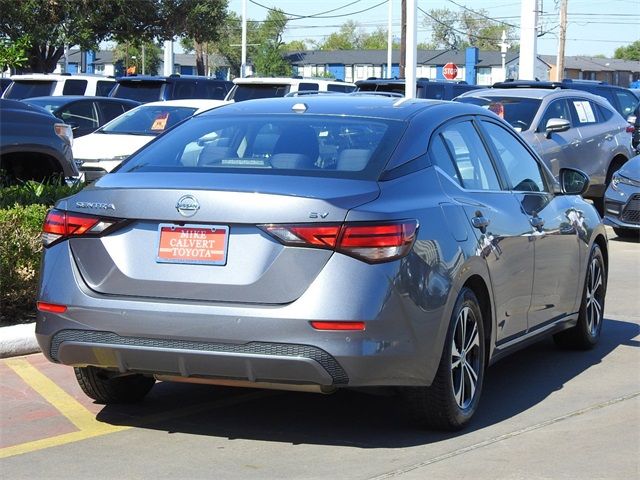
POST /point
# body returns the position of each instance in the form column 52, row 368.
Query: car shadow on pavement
column 357, row 419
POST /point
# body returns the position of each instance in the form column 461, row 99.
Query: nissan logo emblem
column 187, row 206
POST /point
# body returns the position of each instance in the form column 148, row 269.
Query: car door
column 598, row 142
column 554, row 222
column 558, row 149
column 501, row 228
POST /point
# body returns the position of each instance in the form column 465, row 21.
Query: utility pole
column 403, row 38
column 504, row 46
column 561, row 41
column 389, row 39
column 243, row 66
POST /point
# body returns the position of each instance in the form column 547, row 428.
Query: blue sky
column 595, row 26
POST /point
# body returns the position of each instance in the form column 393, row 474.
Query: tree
column 49, row 25
column 352, row 37
column 131, row 56
column 296, row 46
column 269, row 57
column 13, row 54
column 630, row 52
column 458, row 30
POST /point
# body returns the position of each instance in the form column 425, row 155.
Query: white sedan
column 103, row 150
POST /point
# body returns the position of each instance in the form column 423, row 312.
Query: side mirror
column 573, row 182
column 556, row 125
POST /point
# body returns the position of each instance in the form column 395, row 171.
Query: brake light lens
column 370, row 242
column 630, row 129
column 51, row 307
column 60, row 224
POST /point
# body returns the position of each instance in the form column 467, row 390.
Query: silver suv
column 568, row 128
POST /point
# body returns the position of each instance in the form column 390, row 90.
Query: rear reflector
column 59, row 224
column 318, row 325
column 371, row 242
column 51, row 307
column 630, row 129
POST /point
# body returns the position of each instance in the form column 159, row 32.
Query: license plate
column 198, row 244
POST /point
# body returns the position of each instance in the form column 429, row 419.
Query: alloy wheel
column 595, row 297
column 465, row 358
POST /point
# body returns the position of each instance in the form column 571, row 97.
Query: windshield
column 519, row 112
column 244, row 92
column 325, row 146
column 20, row 89
column 143, row 92
column 147, row 120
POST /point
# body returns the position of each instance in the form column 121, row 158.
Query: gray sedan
column 319, row 243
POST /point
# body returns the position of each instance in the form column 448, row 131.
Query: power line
column 470, row 35
column 321, row 14
column 482, row 14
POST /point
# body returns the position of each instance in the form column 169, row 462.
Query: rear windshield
column 147, row 120
column 519, row 112
column 140, row 91
column 250, row 92
column 382, row 87
column 322, row 146
column 20, row 89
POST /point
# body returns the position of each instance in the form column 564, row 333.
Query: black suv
column 620, row 98
column 425, row 88
column 147, row 88
column 34, row 145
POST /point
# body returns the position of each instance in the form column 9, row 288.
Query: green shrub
column 20, row 250
column 30, row 193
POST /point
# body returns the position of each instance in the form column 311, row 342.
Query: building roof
column 594, row 64
column 103, row 57
column 379, row 57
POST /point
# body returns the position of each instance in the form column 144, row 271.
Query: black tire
column 445, row 405
column 586, row 333
column 106, row 387
column 627, row 233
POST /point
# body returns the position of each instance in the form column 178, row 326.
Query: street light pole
column 504, row 46
column 243, row 65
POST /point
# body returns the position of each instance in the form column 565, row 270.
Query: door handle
column 480, row 222
column 575, row 143
column 608, row 136
column 537, row 223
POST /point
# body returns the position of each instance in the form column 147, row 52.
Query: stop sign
column 450, row 71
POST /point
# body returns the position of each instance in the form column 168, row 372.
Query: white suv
column 266, row 87
column 45, row 84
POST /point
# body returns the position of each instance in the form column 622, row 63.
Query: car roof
column 200, row 104
column 401, row 81
column 60, row 76
column 73, row 98
column 536, row 93
column 285, row 80
column 373, row 106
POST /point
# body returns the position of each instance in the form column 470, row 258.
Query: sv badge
column 318, row 214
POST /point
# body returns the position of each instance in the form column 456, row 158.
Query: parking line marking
column 84, row 420
column 68, row 406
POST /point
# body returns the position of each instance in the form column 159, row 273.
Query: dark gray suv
column 322, row 242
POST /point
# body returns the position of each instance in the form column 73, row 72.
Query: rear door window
column 184, row 89
column 80, row 114
column 213, row 90
column 74, row 87
column 470, row 157
column 584, row 112
column 628, row 102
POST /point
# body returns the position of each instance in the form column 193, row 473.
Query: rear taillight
column 371, row 242
column 630, row 129
column 59, row 224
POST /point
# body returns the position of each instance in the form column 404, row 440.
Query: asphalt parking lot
column 545, row 413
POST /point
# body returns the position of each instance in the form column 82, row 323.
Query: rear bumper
column 401, row 344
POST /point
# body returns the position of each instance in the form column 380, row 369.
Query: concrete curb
column 18, row 340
